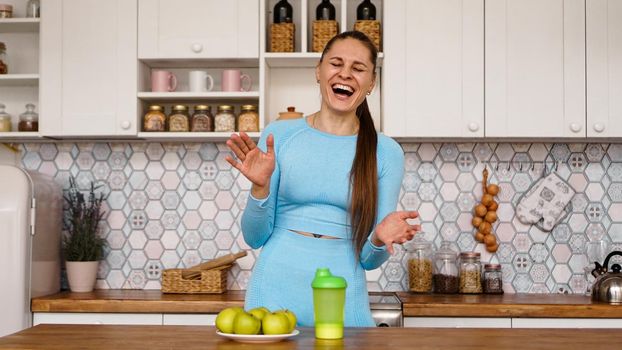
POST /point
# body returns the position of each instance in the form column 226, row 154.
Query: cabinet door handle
column 197, row 48
column 125, row 125
column 575, row 127
column 599, row 127
column 473, row 126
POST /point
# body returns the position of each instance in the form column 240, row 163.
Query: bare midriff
column 314, row 235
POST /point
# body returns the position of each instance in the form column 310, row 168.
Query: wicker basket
column 323, row 31
column 212, row 281
column 371, row 29
column 282, row 37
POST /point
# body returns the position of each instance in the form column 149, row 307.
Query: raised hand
column 253, row 163
column 395, row 229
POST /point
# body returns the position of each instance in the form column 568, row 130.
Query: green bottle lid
column 325, row 279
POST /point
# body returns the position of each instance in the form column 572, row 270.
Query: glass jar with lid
column 179, row 121
column 4, row 67
column 155, row 119
column 5, row 120
column 446, row 273
column 202, row 119
column 493, row 279
column 470, row 273
column 29, row 120
column 6, row 11
column 33, row 8
column 224, row 120
column 419, row 254
column 248, row 120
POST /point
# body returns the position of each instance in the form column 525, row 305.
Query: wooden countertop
column 506, row 305
column 95, row 337
column 429, row 305
column 136, row 301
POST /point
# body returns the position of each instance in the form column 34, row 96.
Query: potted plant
column 83, row 247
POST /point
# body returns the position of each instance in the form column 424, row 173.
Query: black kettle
column 608, row 285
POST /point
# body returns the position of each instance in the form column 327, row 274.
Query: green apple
column 275, row 323
column 291, row 316
column 224, row 319
column 259, row 312
column 245, row 323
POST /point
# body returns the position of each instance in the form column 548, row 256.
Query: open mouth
column 342, row 90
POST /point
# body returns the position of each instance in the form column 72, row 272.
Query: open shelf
column 298, row 59
column 20, row 135
column 191, row 136
column 185, row 96
column 19, row 25
column 19, row 80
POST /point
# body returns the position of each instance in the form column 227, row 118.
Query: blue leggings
column 282, row 276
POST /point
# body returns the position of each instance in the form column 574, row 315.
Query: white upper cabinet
column 198, row 29
column 604, row 68
column 89, row 67
column 433, row 71
column 535, row 68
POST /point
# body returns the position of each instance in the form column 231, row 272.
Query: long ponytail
column 364, row 172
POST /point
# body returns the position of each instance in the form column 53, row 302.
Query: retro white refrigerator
column 31, row 207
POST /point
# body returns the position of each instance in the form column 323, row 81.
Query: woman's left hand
column 395, row 229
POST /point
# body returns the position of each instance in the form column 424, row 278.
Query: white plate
column 259, row 338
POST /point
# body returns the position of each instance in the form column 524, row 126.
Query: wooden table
column 95, row 337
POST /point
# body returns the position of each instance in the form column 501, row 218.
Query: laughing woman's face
column 346, row 75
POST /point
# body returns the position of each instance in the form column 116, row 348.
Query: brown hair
column 364, row 173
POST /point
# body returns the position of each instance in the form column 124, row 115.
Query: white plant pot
column 81, row 275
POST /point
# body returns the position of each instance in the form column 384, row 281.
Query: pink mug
column 232, row 80
column 163, row 81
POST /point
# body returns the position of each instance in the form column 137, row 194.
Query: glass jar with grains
column 155, row 119
column 419, row 253
column 202, row 119
column 470, row 273
column 29, row 120
column 4, row 68
column 248, row 120
column 446, row 280
column 224, row 121
column 179, row 121
column 493, row 279
column 6, row 11
column 5, row 120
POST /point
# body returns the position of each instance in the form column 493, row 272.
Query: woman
column 324, row 191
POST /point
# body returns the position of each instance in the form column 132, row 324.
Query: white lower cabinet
column 189, row 319
column 566, row 323
column 458, row 322
column 96, row 318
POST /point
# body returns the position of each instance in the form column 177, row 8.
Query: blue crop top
column 309, row 189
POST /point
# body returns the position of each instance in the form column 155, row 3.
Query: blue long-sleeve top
column 310, row 186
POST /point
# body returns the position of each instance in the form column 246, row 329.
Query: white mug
column 200, row 81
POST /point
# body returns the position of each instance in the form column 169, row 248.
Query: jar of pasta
column 179, row 121
column 248, row 120
column 470, row 273
column 202, row 119
column 419, row 253
column 155, row 119
column 5, row 120
column 224, row 120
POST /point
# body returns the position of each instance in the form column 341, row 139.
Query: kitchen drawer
column 97, row 318
column 458, row 322
column 189, row 319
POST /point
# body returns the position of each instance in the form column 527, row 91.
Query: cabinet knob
column 575, row 127
column 197, row 48
column 125, row 125
column 599, row 127
column 473, row 126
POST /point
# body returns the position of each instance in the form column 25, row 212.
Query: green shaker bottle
column 329, row 298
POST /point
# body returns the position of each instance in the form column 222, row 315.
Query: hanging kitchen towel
column 546, row 200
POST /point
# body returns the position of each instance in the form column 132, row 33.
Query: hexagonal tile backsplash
column 176, row 205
